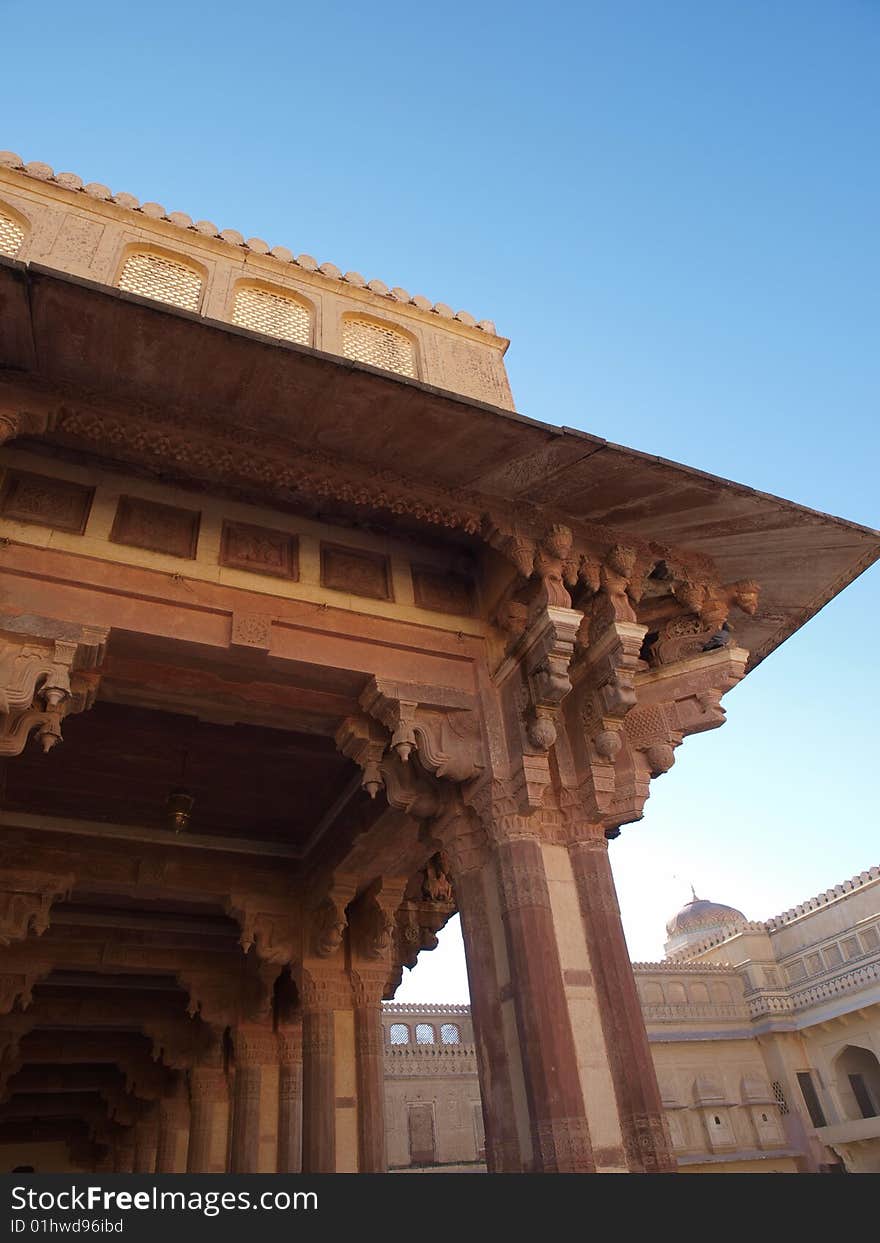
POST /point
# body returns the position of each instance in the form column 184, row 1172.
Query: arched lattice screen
column 11, row 236
column 450, row 1033
column 399, row 1033
column 154, row 276
column 424, row 1033
column 378, row 345
column 272, row 313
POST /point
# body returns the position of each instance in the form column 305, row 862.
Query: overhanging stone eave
column 66, row 331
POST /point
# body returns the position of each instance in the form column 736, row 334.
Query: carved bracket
column 274, row 935
column 363, row 740
column 438, row 723
column 26, row 899
column 44, row 678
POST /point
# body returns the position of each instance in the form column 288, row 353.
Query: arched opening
column 858, row 1082
column 273, row 313
column 151, row 275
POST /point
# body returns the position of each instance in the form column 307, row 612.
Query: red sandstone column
column 173, row 1131
column 557, row 1117
column 319, row 1091
column 502, row 1142
column 146, row 1141
column 369, row 1037
column 642, row 1119
column 290, row 1099
column 209, row 1121
column 255, row 1114
column 123, row 1153
column 330, row 1139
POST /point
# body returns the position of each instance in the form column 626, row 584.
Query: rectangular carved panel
column 442, row 591
column 260, row 550
column 160, row 528
column 45, row 501
column 356, row 571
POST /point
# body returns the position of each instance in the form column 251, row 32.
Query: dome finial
column 694, row 893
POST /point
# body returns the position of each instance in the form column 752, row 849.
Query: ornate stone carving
column 45, row 500
column 440, row 724
column 14, row 423
column 252, row 630
column 274, row 934
column 25, row 901
column 437, row 886
column 260, row 550
column 361, row 739
column 43, row 679
column 156, row 527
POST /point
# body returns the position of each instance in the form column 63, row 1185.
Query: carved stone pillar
column 369, row 1037
column 173, row 1131
column 290, row 1098
column 255, row 1114
column 496, row 1040
column 124, row 1153
column 209, row 1120
column 558, row 1127
column 146, row 1141
column 330, row 1141
column 645, row 1134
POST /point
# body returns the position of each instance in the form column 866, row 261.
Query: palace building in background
column 765, row 1038
column 307, row 641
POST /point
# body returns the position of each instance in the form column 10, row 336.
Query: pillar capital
column 255, row 1045
column 26, row 898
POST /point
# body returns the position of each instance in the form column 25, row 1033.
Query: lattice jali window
column 399, row 1033
column 163, row 280
column 424, row 1033
column 379, row 345
column 260, row 310
column 779, row 1096
column 11, row 236
column 450, row 1033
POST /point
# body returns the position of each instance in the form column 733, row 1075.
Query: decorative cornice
column 398, row 1007
column 823, row 899
column 236, row 241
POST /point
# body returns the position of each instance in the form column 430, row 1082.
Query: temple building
column 765, row 1038
column 309, row 640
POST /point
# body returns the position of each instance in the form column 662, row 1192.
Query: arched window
column 399, row 1033
column 274, row 314
column 424, row 1033
column 450, row 1033
column 11, row 236
column 163, row 280
column 380, row 345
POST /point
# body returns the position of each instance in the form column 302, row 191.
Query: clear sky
column 670, row 208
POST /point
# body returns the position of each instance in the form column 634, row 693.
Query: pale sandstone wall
column 89, row 232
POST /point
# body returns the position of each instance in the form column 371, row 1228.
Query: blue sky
column 670, row 208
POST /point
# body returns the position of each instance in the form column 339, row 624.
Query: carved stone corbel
column 275, row 935
column 674, row 701
column 372, row 921
column 26, row 899
column 363, row 740
column 327, row 920
column 44, row 678
column 439, row 724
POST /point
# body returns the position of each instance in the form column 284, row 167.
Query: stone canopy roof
column 392, row 444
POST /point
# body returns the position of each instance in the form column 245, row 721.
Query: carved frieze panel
column 356, row 571
column 45, row 501
column 260, row 550
column 442, row 591
column 159, row 528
